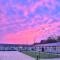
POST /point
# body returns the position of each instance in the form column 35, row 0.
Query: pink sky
column 26, row 22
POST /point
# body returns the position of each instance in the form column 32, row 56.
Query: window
column 54, row 47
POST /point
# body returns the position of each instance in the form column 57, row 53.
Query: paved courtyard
column 15, row 55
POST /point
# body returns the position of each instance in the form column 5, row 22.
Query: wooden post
column 37, row 58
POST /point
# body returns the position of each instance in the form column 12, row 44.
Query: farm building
column 50, row 47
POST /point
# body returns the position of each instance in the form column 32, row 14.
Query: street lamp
column 37, row 55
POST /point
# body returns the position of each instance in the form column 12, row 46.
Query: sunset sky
column 26, row 21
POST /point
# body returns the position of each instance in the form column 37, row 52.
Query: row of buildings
column 49, row 47
column 14, row 47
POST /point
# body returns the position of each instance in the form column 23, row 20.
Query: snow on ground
column 14, row 55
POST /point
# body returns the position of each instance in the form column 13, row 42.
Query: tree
column 51, row 40
column 43, row 42
column 58, row 38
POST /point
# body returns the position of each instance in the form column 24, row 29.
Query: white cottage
column 50, row 47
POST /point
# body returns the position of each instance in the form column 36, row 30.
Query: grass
column 41, row 55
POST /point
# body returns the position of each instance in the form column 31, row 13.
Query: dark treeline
column 51, row 40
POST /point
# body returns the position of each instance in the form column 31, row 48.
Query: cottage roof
column 49, row 44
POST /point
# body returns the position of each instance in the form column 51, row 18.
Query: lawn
column 41, row 54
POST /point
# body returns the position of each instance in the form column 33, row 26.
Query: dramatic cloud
column 23, row 22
